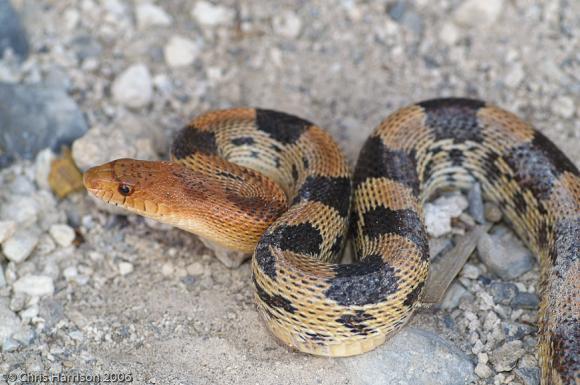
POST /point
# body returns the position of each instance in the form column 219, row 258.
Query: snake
column 278, row 186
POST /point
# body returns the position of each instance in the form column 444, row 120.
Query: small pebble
column 529, row 376
column 476, row 208
column 438, row 213
column 133, row 87
column 470, row 271
column 125, row 268
column 18, row 247
column 7, row 229
column 63, row 234
column 287, row 24
column 9, row 322
column 483, row 371
column 34, row 285
column 42, row 168
column 10, row 345
column 150, row 15
column 195, row 268
column 492, row 213
column 180, row 51
column 504, row 358
column 503, row 292
column 564, row 106
column 504, row 254
column 474, row 13
column 453, row 296
column 167, row 269
column 211, row 15
column 526, row 301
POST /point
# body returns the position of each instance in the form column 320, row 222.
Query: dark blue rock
column 36, row 117
column 526, row 301
column 503, row 293
column 12, row 34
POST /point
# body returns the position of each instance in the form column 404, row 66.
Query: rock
column 64, row 235
column 438, row 214
column 503, row 292
column 195, row 268
column 515, row 75
column 125, row 268
column 7, row 229
column 449, row 33
column 492, row 213
column 211, row 15
column 483, row 370
column 151, row 15
column 9, row 322
column 564, row 106
column 404, row 14
column 413, row 356
column 10, row 345
column 526, row 301
column 24, row 335
column 133, row 87
column 180, row 51
column 529, row 376
column 21, row 209
column 287, row 24
column 42, row 167
column 473, row 13
column 86, row 47
column 505, row 357
column 454, row 294
column 167, row 269
column 18, row 247
column 35, row 117
column 439, row 245
column 34, row 285
column 12, row 33
column 128, row 137
column 476, row 209
column 470, row 271
column 504, row 254
column 2, row 278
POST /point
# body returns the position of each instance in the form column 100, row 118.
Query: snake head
column 227, row 209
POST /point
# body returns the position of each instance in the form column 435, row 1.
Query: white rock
column 21, row 209
column 133, row 87
column 7, row 229
column 63, row 234
column 71, row 18
column 564, row 106
column 167, row 269
column 477, row 12
column 34, row 285
column 438, row 214
column 19, row 246
column 125, row 268
column 195, row 268
column 180, row 51
column 470, row 271
column 209, row 14
column 515, row 75
column 9, row 322
column 150, row 15
column 42, row 168
column 449, row 33
column 287, row 24
column 483, row 371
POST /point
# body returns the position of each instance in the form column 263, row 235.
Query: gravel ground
column 83, row 290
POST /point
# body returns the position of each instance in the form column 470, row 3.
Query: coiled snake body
column 268, row 182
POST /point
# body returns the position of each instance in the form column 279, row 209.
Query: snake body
column 275, row 184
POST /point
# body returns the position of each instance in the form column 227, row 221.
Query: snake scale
column 277, row 185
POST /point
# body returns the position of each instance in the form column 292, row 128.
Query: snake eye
column 125, row 189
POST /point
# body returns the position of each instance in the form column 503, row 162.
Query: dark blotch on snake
column 413, row 296
column 228, row 175
column 302, row 238
column 190, row 140
column 336, row 247
column 356, row 322
column 405, row 222
column 519, row 202
column 456, row 157
column 454, row 118
column 284, row 128
column 243, row 140
column 274, row 301
column 332, row 191
column 378, row 161
column 361, row 283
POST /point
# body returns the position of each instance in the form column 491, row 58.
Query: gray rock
column 476, row 13
column 9, row 322
column 9, row 345
column 18, row 247
column 492, row 213
column 24, row 335
column 413, row 356
column 476, row 209
column 503, row 292
column 504, row 254
column 526, row 301
column 12, row 33
column 133, row 87
column 35, row 117
column 151, row 15
column 7, row 229
column 506, row 356
column 454, row 295
column 529, row 376
column 34, row 285
column 85, row 47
